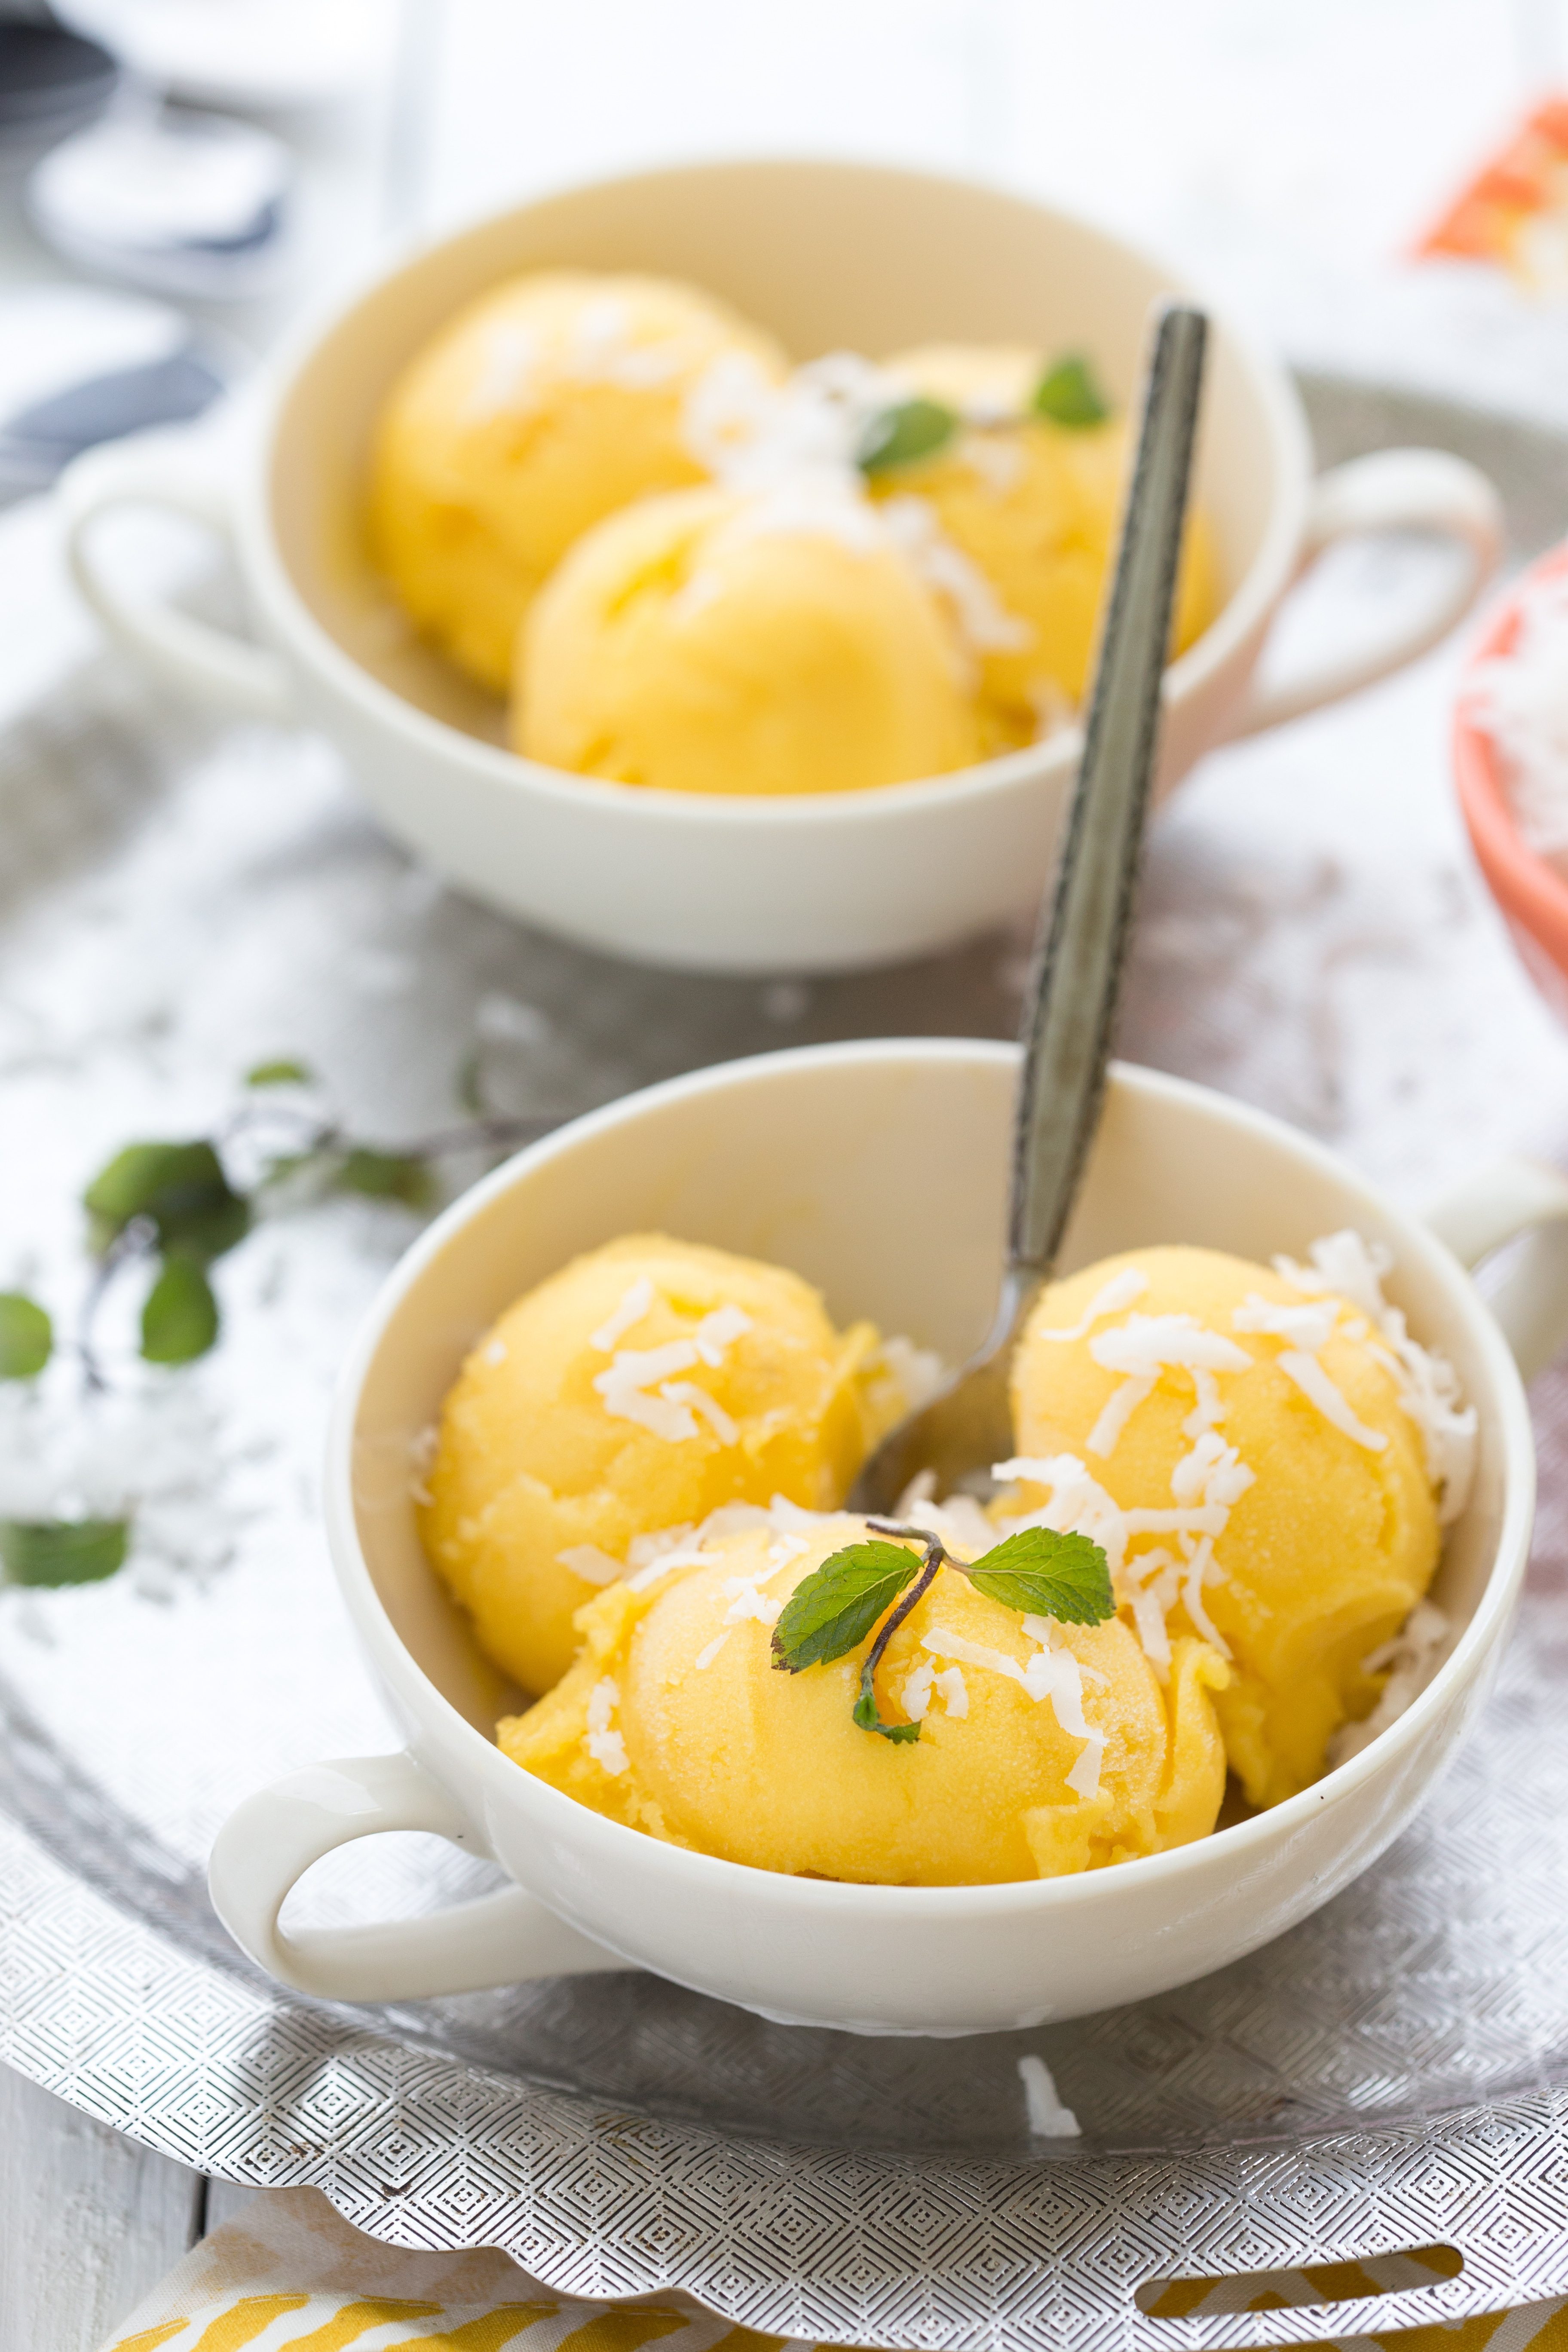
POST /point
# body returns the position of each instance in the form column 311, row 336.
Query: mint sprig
column 1068, row 393
column 1038, row 1571
column 1042, row 1573
column 834, row 1609
column 904, row 433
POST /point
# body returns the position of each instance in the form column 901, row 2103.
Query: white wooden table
column 1287, row 155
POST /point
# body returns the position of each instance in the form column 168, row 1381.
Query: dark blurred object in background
column 52, row 82
column 79, row 366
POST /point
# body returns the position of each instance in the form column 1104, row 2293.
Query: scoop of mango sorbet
column 550, row 402
column 1034, row 505
column 708, row 642
column 1241, row 1445
column 1043, row 1749
column 634, row 1391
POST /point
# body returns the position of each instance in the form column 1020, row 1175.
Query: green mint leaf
column 384, row 1176
column 1068, row 393
column 181, row 1187
column 902, row 435
column 180, row 1320
column 867, row 1716
column 1043, row 1574
column 831, row 1612
column 26, row 1335
column 283, row 1073
column 62, row 1551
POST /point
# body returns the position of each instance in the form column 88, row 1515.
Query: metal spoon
column 1078, row 963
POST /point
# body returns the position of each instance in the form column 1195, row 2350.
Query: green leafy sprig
column 1068, row 393
column 904, row 433
column 1036, row 1571
column 174, row 1209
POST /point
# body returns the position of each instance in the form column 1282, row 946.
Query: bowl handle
column 1511, row 1199
column 202, row 663
column 1393, row 489
column 269, row 1843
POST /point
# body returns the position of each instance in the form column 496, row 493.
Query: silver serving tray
column 178, row 902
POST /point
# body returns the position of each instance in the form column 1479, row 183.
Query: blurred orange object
column 1515, row 211
column 1531, row 892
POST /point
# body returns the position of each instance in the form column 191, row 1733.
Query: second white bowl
column 827, row 255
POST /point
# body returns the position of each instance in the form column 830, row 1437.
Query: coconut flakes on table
column 1520, row 700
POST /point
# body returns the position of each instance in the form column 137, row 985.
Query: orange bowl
column 1532, row 895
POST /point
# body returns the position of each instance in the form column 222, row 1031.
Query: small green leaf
column 867, row 1716
column 1068, row 393
column 833, row 1610
column 902, row 435
column 181, row 1187
column 283, row 1073
column 180, row 1320
column 384, row 1176
column 62, row 1551
column 26, row 1335
column 1042, row 1573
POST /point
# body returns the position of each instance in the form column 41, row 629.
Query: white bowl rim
column 1265, row 580
column 687, row 1867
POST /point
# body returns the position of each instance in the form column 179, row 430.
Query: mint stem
column 936, row 1552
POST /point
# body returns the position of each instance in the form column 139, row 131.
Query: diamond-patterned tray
column 179, row 903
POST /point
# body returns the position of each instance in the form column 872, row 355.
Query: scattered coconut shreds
column 1048, row 2118
column 587, row 1560
column 603, row 1742
column 1521, row 700
column 1122, row 1290
column 1410, row 1661
column 1428, row 1385
column 637, row 1385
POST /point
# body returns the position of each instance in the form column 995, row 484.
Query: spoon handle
column 1077, row 978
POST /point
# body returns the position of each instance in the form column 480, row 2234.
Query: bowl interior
column 879, row 1173
column 828, row 256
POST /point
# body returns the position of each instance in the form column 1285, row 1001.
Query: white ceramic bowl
column 821, row 1159
column 826, row 254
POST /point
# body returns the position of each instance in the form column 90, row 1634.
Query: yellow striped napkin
column 288, row 2274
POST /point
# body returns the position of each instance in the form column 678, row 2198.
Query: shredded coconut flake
column 983, row 621
column 1049, row 2119
column 710, row 1651
column 632, row 1372
column 587, row 1560
column 1331, row 1401
column 1050, row 1672
column 1410, row 1661
column 1122, row 1291
column 635, row 1301
column 1310, row 1327
column 1120, row 1407
column 604, row 1744
column 1145, row 1344
column 1428, row 1385
column 919, row 1372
